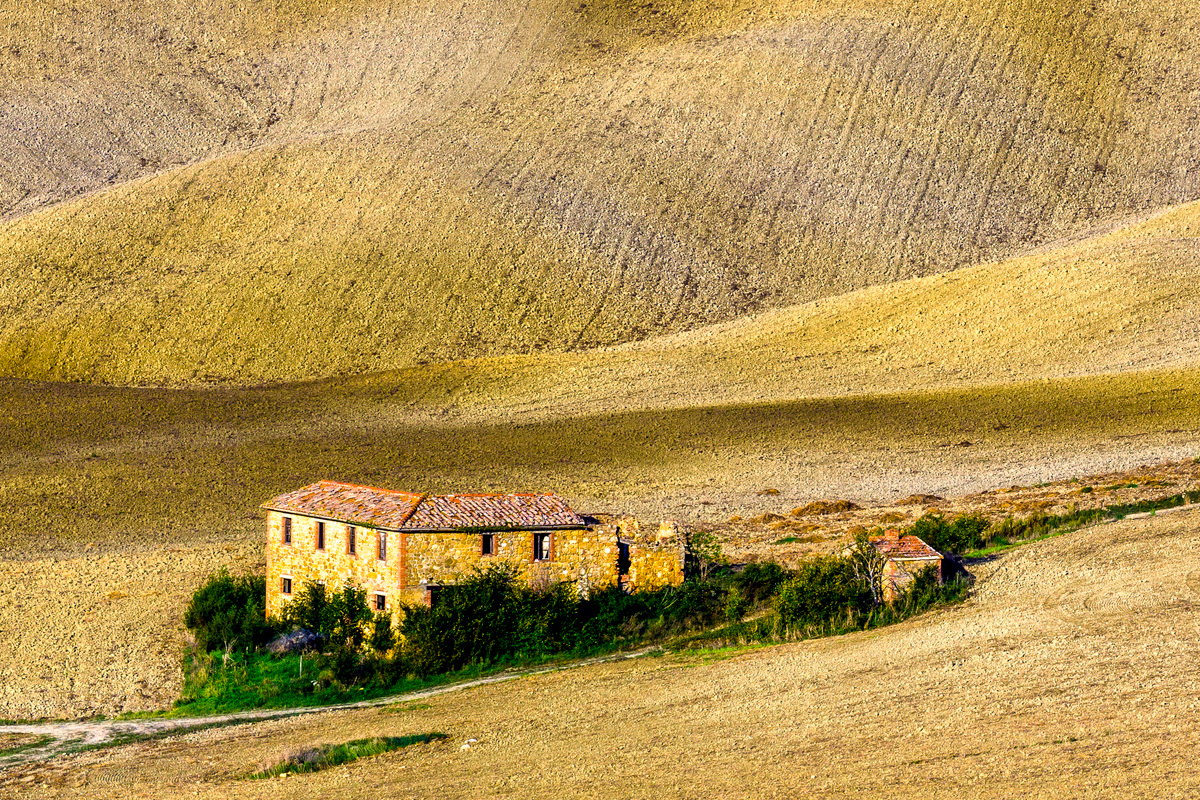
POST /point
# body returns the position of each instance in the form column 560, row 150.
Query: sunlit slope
column 560, row 176
column 1122, row 302
column 99, row 92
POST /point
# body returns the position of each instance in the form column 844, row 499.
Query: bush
column 382, row 638
column 488, row 617
column 230, row 612
column 958, row 536
column 306, row 608
column 823, row 588
column 344, row 617
column 759, row 581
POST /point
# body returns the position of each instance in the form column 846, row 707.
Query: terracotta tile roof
column 345, row 502
column 893, row 545
column 384, row 508
column 496, row 511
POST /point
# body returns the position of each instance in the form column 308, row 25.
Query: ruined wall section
column 301, row 560
column 899, row 573
column 656, row 554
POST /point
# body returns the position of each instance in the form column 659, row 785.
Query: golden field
column 705, row 261
column 303, row 190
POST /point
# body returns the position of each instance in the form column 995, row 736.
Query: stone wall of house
column 656, row 554
column 585, row 557
column 897, row 575
column 656, row 557
column 334, row 566
column 414, row 561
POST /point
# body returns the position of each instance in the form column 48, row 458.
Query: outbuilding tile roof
column 346, row 502
column 498, row 511
column 407, row 511
column 895, row 546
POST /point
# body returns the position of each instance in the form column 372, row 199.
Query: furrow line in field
column 906, row 143
column 799, row 181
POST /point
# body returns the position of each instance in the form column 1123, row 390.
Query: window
column 488, row 548
column 351, row 535
column 380, row 602
column 542, row 549
column 320, row 535
column 287, row 530
column 285, row 585
column 382, row 546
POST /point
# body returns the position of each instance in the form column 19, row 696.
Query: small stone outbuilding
column 906, row 557
column 402, row 547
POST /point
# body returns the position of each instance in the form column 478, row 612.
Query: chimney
column 892, row 535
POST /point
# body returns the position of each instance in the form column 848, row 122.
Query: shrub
column 344, row 616
column 306, row 608
column 230, row 612
column 958, row 536
column 382, row 638
column 736, row 605
column 610, row 615
column 759, row 581
column 487, row 617
column 823, row 587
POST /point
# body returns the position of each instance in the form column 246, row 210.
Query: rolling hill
column 277, row 191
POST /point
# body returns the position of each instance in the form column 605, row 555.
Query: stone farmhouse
column 906, row 557
column 403, row 547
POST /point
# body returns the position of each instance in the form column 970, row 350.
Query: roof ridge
column 495, row 494
column 368, row 486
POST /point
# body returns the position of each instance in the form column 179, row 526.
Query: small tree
column 382, row 638
column 704, row 551
column 344, row 617
column 868, row 563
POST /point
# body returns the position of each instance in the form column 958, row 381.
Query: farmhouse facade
column 403, row 547
column 906, row 557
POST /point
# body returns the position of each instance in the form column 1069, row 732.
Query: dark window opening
column 541, row 547
column 351, row 535
column 285, row 585
column 380, row 602
column 623, row 558
column 287, row 530
column 431, row 595
column 488, row 548
column 382, row 546
column 320, row 535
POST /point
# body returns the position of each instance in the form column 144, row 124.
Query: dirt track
column 1071, row 673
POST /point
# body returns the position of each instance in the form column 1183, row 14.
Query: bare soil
column 1070, row 672
column 300, row 190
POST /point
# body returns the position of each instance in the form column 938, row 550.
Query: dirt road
column 66, row 737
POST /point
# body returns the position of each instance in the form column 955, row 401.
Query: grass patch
column 14, row 743
column 1011, row 532
column 260, row 680
column 314, row 759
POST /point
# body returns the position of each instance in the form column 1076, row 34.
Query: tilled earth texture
column 1071, row 672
